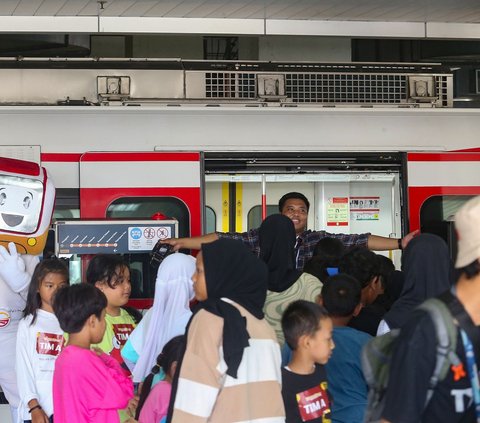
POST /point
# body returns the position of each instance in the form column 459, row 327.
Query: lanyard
column 472, row 371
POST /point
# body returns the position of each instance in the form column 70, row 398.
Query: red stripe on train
column 443, row 157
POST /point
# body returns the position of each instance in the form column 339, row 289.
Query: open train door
column 438, row 185
column 139, row 185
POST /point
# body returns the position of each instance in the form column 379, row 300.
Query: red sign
column 313, row 403
column 121, row 332
column 49, row 343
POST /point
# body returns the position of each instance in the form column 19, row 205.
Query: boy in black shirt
column 308, row 332
column 413, row 360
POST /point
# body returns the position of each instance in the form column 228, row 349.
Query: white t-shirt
column 38, row 346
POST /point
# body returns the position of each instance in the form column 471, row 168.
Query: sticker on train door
column 364, row 208
column 338, row 211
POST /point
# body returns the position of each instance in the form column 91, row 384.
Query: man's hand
column 176, row 243
column 194, row 243
column 407, row 238
column 12, row 268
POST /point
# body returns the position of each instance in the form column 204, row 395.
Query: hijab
column 233, row 272
column 277, row 240
column 169, row 314
column 427, row 272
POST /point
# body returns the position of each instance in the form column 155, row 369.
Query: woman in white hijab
column 167, row 318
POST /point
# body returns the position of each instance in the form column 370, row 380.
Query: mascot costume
column 27, row 198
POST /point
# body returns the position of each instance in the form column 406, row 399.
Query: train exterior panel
column 130, row 139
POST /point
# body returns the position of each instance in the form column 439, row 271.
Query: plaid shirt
column 306, row 242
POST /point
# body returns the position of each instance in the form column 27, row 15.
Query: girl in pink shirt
column 153, row 404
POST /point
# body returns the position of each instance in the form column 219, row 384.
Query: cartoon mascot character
column 27, row 197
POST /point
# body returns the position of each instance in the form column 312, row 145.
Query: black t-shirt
column 412, row 366
column 305, row 396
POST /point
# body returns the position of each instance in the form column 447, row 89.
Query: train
column 213, row 145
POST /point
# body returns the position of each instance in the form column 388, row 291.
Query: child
column 88, row 386
column 231, row 368
column 308, row 332
column 39, row 341
column 341, row 297
column 111, row 275
column 167, row 318
column 153, row 404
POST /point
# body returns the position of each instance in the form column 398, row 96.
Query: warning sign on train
column 337, row 211
column 111, row 236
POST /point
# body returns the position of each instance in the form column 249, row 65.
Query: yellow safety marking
column 239, row 207
column 225, row 206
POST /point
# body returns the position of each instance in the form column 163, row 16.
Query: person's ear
column 375, row 285
column 92, row 321
column 357, row 309
column 304, row 342
column 319, row 299
column 99, row 285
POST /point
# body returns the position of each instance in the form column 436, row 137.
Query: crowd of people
column 269, row 337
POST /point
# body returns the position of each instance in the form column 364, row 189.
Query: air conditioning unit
column 113, row 88
column 421, row 89
column 271, row 87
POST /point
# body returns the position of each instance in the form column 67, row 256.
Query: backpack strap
column 463, row 319
column 446, row 334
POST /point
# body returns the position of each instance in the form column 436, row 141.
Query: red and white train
column 375, row 147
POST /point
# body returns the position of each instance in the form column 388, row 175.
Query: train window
column 146, row 207
column 436, row 216
column 254, row 216
column 210, row 220
column 142, row 275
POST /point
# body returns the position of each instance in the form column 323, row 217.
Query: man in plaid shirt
column 295, row 206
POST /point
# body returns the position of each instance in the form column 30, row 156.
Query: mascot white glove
column 12, row 268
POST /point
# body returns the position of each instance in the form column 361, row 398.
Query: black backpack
column 377, row 353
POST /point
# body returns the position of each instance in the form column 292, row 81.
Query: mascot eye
column 3, row 197
column 26, row 202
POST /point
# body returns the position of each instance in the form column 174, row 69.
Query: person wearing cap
column 413, row 361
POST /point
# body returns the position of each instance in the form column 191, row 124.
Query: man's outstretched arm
column 193, row 243
column 381, row 243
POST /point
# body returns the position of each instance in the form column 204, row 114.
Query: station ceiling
column 267, row 17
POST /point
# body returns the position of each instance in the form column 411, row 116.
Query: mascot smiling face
column 27, row 197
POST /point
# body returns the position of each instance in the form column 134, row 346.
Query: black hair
column 341, row 294
column 292, row 195
column 34, row 302
column 74, row 304
column 385, row 268
column 106, row 268
column 301, row 318
column 171, row 353
column 328, row 248
column 360, row 263
column 470, row 270
column 327, row 253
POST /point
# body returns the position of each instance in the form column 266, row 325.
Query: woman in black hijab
column 230, row 370
column 427, row 272
column 277, row 249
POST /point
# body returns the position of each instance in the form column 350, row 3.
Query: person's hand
column 12, row 268
column 132, row 406
column 176, row 243
column 39, row 416
column 407, row 238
